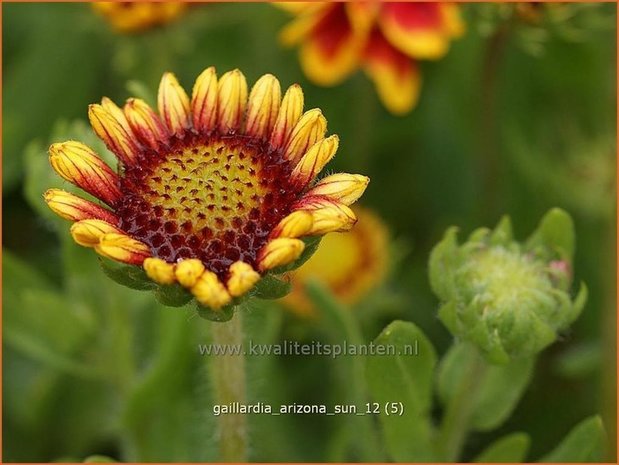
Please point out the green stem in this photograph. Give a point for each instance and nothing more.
(343, 323)
(490, 148)
(229, 386)
(457, 416)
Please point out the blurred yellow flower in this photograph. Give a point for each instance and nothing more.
(350, 264)
(384, 39)
(214, 191)
(138, 16)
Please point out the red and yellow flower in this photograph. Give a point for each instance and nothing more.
(214, 191)
(138, 16)
(349, 264)
(384, 39)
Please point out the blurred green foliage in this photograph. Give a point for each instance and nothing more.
(91, 368)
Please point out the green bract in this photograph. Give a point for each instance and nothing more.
(509, 299)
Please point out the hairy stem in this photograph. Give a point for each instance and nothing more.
(229, 386)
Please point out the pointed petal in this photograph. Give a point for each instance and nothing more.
(145, 124)
(209, 291)
(123, 248)
(188, 271)
(289, 114)
(231, 101)
(327, 215)
(263, 106)
(204, 101)
(278, 252)
(173, 105)
(159, 270)
(310, 129)
(395, 76)
(315, 160)
(332, 50)
(242, 278)
(74, 208)
(116, 112)
(297, 224)
(113, 133)
(343, 187)
(420, 30)
(78, 164)
(89, 232)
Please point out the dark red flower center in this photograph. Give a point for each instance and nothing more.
(215, 199)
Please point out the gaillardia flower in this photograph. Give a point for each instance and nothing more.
(138, 16)
(213, 192)
(508, 299)
(384, 39)
(349, 264)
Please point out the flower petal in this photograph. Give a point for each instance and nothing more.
(209, 291)
(327, 215)
(231, 100)
(419, 29)
(123, 248)
(303, 23)
(396, 77)
(159, 270)
(145, 124)
(78, 164)
(204, 101)
(89, 232)
(74, 208)
(343, 187)
(114, 133)
(278, 252)
(315, 160)
(242, 278)
(297, 224)
(332, 50)
(116, 112)
(289, 114)
(263, 106)
(173, 105)
(310, 129)
(188, 271)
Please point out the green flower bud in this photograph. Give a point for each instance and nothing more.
(509, 299)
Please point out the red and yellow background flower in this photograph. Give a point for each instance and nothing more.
(386, 40)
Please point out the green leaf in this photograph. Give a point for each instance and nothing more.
(406, 379)
(222, 315)
(133, 277)
(443, 263)
(39, 322)
(503, 233)
(586, 442)
(497, 390)
(512, 448)
(555, 231)
(270, 287)
(173, 295)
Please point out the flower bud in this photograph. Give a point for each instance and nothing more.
(509, 299)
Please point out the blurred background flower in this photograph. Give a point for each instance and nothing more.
(132, 17)
(386, 40)
(350, 264)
